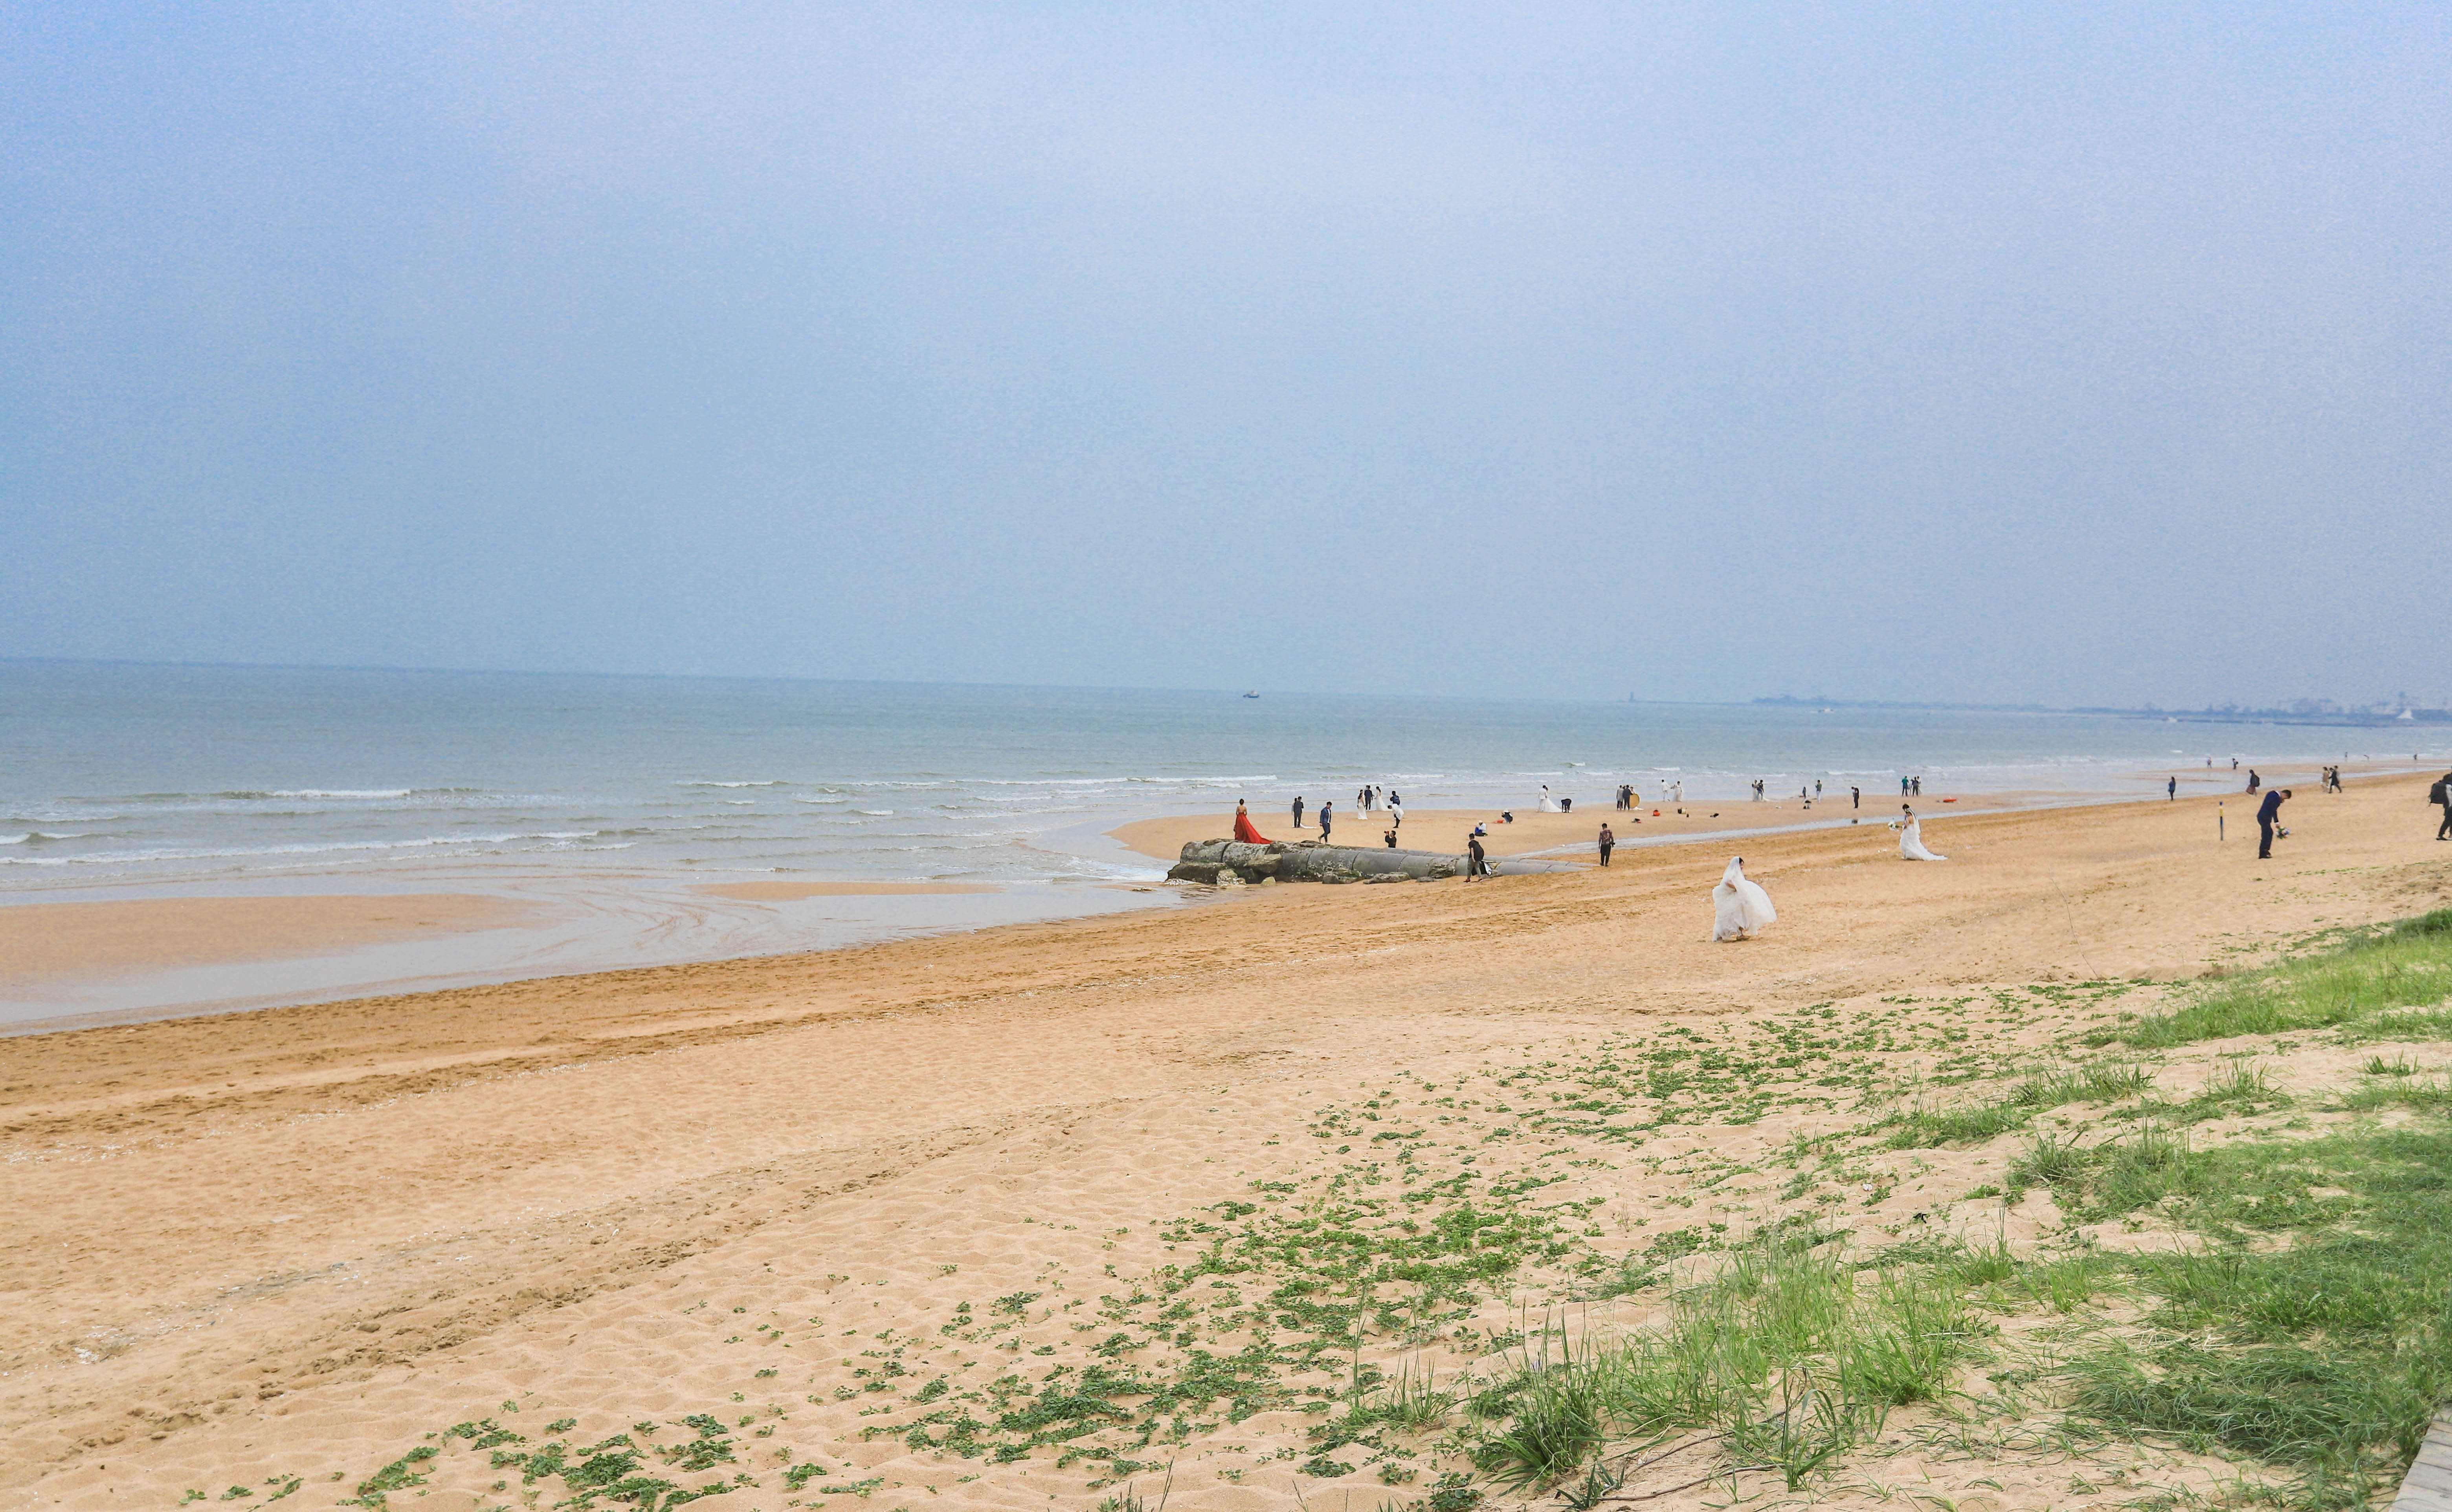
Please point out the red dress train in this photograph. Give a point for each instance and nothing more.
(1244, 831)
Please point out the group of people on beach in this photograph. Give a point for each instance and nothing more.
(1368, 797)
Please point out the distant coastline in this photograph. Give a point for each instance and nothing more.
(2306, 712)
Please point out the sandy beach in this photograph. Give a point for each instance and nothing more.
(776, 1198)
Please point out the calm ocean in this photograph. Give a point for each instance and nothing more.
(606, 795)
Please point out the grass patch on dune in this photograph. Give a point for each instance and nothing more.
(2370, 986)
(2328, 1355)
(2108, 1081)
(1793, 1353)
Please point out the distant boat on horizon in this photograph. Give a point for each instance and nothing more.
(1252, 694)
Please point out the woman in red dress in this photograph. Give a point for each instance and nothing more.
(1243, 830)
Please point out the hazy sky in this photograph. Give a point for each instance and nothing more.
(2065, 353)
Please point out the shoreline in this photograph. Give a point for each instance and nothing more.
(1657, 823)
(337, 963)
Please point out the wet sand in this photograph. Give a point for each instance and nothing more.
(45, 942)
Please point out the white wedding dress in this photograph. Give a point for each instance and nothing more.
(1739, 906)
(1549, 804)
(1911, 844)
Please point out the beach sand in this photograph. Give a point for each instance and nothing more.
(308, 1241)
(45, 942)
(794, 891)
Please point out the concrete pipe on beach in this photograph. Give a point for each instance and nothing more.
(1212, 861)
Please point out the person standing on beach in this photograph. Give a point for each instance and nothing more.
(1323, 819)
(1297, 811)
(2171, 790)
(1244, 830)
(2265, 814)
(1609, 843)
(1477, 862)
(1855, 798)
(2442, 795)
(2254, 781)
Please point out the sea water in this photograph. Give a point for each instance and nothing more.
(616, 799)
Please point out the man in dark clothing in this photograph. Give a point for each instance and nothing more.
(2254, 781)
(2443, 796)
(1609, 843)
(2265, 817)
(2171, 790)
(1297, 811)
(1323, 819)
(1476, 864)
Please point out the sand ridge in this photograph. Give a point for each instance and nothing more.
(292, 1242)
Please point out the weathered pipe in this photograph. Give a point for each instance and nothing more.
(1230, 861)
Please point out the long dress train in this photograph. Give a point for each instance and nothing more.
(1739, 906)
(1911, 843)
(1244, 831)
(1549, 804)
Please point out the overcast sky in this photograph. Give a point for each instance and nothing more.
(2060, 353)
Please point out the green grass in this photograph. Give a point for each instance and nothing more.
(2100, 1082)
(2407, 966)
(1792, 1351)
(2327, 1356)
(2430, 1093)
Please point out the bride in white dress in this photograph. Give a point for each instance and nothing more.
(1912, 839)
(1739, 906)
(1549, 804)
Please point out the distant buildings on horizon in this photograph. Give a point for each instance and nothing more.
(2301, 710)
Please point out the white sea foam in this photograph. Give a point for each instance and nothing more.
(340, 792)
